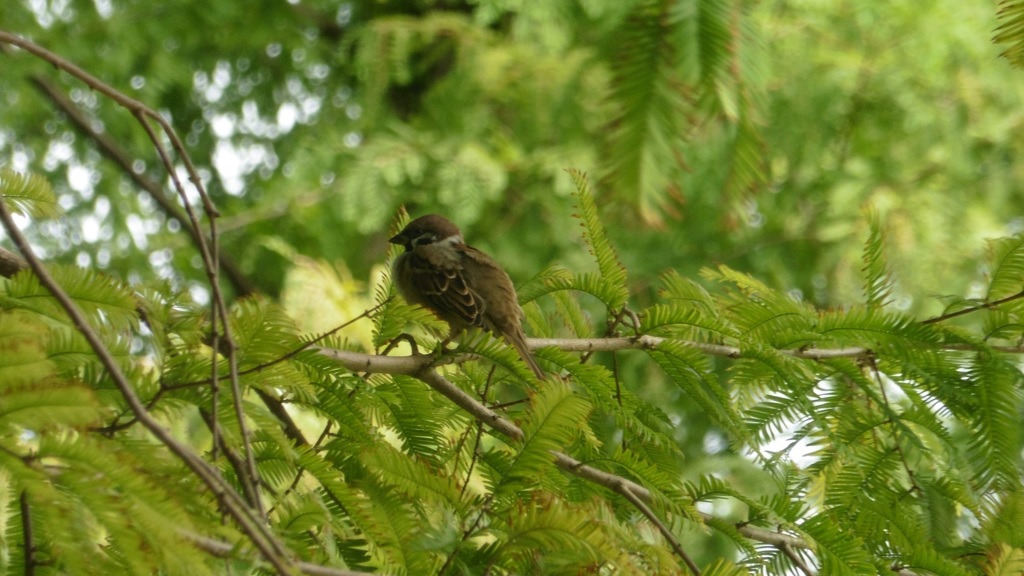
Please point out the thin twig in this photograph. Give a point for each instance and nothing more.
(255, 528)
(242, 284)
(479, 433)
(665, 532)
(144, 114)
(220, 309)
(982, 306)
(287, 356)
(647, 342)
(484, 507)
(236, 462)
(300, 471)
(894, 431)
(228, 550)
(796, 559)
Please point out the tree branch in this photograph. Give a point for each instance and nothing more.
(982, 306)
(11, 263)
(223, 549)
(242, 284)
(665, 532)
(254, 527)
(796, 559)
(646, 342)
(420, 366)
(207, 249)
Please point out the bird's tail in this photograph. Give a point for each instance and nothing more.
(519, 341)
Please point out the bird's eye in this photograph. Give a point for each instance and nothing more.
(424, 239)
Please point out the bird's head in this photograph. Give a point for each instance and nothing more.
(425, 230)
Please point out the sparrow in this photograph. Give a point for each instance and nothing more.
(458, 283)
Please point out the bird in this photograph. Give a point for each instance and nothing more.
(458, 283)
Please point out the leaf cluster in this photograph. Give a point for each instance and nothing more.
(885, 443)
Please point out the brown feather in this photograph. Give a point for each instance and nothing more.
(462, 285)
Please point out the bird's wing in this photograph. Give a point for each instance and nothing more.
(494, 285)
(445, 290)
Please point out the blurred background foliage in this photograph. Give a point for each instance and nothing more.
(749, 134)
(752, 134)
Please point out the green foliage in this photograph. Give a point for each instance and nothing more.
(747, 139)
(884, 440)
(646, 126)
(28, 195)
(1011, 31)
(613, 275)
(878, 286)
(32, 392)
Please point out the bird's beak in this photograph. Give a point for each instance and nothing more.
(397, 239)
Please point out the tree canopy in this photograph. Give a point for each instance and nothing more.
(772, 254)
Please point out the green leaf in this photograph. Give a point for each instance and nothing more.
(878, 286)
(875, 329)
(28, 194)
(1011, 31)
(690, 370)
(995, 422)
(682, 321)
(47, 403)
(414, 478)
(23, 358)
(410, 411)
(108, 304)
(1006, 561)
(558, 414)
(612, 273)
(1006, 263)
(563, 535)
(646, 129)
(723, 567)
(841, 553)
(31, 395)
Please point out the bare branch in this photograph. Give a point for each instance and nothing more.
(207, 250)
(665, 532)
(420, 366)
(242, 285)
(651, 342)
(359, 362)
(11, 263)
(796, 559)
(223, 549)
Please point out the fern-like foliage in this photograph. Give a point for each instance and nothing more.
(556, 415)
(669, 61)
(878, 285)
(869, 441)
(608, 284)
(1007, 265)
(1011, 31)
(611, 270)
(102, 299)
(645, 132)
(28, 194)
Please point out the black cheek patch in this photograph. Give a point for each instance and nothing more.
(423, 240)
